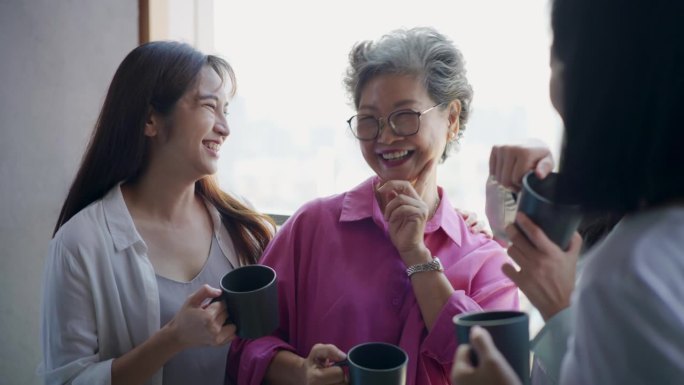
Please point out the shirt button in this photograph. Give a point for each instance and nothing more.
(396, 302)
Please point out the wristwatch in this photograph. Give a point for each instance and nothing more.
(434, 265)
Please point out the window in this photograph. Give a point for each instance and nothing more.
(289, 141)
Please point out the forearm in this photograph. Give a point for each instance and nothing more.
(286, 368)
(140, 364)
(432, 290)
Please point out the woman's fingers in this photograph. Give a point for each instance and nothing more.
(395, 193)
(405, 202)
(226, 334)
(321, 353)
(392, 188)
(198, 298)
(462, 364)
(525, 259)
(493, 160)
(512, 273)
(509, 163)
(481, 342)
(534, 234)
(544, 167)
(507, 175)
(519, 240)
(321, 369)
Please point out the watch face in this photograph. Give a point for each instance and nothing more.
(438, 263)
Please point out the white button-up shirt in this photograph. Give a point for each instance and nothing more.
(100, 296)
(628, 321)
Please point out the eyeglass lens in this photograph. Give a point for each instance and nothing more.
(403, 123)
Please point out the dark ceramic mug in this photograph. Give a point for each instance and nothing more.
(376, 363)
(251, 297)
(510, 332)
(559, 221)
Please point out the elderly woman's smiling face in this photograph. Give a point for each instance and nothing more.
(395, 157)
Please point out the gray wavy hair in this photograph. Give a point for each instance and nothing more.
(422, 52)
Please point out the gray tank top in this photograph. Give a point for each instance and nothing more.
(201, 365)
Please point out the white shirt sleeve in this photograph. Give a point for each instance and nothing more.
(549, 347)
(68, 330)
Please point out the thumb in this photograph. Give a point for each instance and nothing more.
(544, 166)
(329, 351)
(197, 298)
(462, 366)
(511, 272)
(481, 341)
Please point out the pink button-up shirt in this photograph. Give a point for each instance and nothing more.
(341, 281)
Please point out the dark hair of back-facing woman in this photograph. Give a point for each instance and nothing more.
(155, 76)
(623, 98)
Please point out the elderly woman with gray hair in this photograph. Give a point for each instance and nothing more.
(390, 260)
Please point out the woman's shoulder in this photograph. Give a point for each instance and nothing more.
(644, 248)
(87, 232)
(319, 208)
(83, 223)
(652, 232)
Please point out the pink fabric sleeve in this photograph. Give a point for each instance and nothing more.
(248, 360)
(491, 290)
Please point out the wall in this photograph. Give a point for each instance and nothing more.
(57, 60)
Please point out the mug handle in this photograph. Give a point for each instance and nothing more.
(220, 297)
(343, 363)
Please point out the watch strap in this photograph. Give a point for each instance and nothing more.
(434, 265)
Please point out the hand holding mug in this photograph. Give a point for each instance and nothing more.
(376, 363)
(319, 367)
(250, 294)
(492, 368)
(198, 323)
(539, 201)
(547, 273)
(508, 164)
(507, 167)
(508, 332)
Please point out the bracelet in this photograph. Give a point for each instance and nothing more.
(434, 265)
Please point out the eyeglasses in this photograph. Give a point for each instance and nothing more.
(402, 123)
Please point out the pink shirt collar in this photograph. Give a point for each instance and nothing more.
(360, 203)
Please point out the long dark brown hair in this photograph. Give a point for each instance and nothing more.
(154, 76)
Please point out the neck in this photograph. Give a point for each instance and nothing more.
(429, 193)
(432, 201)
(161, 196)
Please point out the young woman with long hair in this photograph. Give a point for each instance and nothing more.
(145, 230)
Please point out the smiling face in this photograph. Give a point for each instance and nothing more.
(395, 157)
(188, 140)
